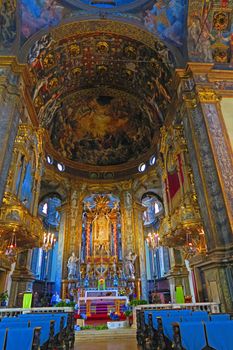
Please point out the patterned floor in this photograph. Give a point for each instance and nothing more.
(117, 344)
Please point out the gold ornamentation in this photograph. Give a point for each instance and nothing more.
(102, 47)
(207, 96)
(15, 217)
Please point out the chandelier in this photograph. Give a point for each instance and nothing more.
(49, 241)
(152, 240)
(11, 248)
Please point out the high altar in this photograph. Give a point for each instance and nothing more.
(105, 269)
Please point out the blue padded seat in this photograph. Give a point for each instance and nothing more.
(3, 333)
(45, 316)
(45, 330)
(220, 317)
(168, 327)
(14, 325)
(157, 313)
(219, 334)
(192, 335)
(199, 312)
(22, 337)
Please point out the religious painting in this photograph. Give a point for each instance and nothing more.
(210, 31)
(102, 130)
(166, 19)
(153, 208)
(7, 22)
(39, 14)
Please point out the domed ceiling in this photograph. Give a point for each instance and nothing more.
(101, 96)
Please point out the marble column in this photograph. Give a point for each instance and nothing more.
(22, 277)
(178, 274)
(208, 153)
(10, 110)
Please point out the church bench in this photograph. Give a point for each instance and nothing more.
(219, 334)
(214, 335)
(64, 327)
(20, 338)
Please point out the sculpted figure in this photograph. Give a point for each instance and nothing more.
(129, 264)
(72, 266)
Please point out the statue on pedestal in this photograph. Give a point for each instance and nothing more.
(72, 266)
(129, 264)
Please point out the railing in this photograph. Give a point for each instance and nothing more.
(209, 307)
(18, 311)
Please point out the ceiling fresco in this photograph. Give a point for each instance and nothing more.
(102, 130)
(62, 67)
(101, 96)
(166, 19)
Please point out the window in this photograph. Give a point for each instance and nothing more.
(152, 160)
(60, 166)
(49, 159)
(142, 167)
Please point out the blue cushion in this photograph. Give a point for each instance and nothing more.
(2, 338)
(45, 330)
(168, 327)
(192, 335)
(220, 317)
(14, 325)
(219, 334)
(20, 336)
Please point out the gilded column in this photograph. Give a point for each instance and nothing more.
(61, 244)
(141, 276)
(10, 110)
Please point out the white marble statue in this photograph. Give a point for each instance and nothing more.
(129, 264)
(72, 266)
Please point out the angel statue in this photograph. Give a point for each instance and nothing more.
(129, 264)
(72, 266)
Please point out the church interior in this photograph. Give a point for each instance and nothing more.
(116, 174)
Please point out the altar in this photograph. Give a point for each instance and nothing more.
(102, 305)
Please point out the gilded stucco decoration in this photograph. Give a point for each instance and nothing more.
(18, 213)
(181, 225)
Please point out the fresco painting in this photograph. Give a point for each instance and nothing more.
(153, 207)
(166, 19)
(101, 131)
(210, 31)
(7, 22)
(39, 14)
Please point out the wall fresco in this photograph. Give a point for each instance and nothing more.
(166, 19)
(7, 22)
(39, 14)
(210, 31)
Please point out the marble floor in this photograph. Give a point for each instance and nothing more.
(116, 344)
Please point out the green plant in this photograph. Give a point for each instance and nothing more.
(63, 303)
(83, 328)
(4, 296)
(128, 313)
(136, 302)
(101, 327)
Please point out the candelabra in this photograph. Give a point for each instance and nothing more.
(11, 248)
(49, 241)
(152, 240)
